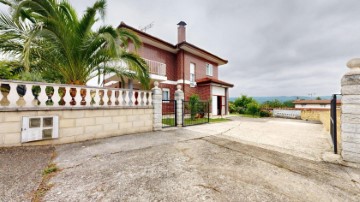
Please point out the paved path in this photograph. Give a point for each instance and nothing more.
(295, 137)
(185, 166)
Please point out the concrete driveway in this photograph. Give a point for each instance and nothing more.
(296, 137)
(186, 165)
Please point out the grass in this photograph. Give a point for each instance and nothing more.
(188, 121)
(44, 186)
(247, 115)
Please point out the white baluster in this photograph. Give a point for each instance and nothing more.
(150, 99)
(56, 97)
(97, 98)
(88, 97)
(1, 96)
(42, 97)
(13, 95)
(67, 97)
(132, 98)
(144, 100)
(78, 97)
(29, 97)
(126, 98)
(112, 98)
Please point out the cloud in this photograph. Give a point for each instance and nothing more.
(277, 47)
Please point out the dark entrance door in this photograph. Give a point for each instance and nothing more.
(219, 105)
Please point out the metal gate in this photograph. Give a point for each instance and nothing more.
(169, 113)
(195, 113)
(333, 122)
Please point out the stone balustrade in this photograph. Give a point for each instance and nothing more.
(17, 95)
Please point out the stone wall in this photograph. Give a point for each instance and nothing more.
(79, 125)
(323, 115)
(350, 89)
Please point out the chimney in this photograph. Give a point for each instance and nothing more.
(181, 32)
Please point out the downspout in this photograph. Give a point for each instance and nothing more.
(183, 64)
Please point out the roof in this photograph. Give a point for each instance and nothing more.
(315, 101)
(157, 42)
(212, 80)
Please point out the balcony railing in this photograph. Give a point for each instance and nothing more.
(32, 95)
(155, 67)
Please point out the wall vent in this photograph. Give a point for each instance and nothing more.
(39, 128)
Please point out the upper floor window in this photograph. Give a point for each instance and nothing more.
(192, 72)
(209, 69)
(166, 94)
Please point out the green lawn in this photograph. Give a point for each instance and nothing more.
(188, 121)
(247, 115)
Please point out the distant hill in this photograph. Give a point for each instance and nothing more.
(284, 98)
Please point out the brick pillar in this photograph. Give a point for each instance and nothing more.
(179, 97)
(157, 104)
(350, 117)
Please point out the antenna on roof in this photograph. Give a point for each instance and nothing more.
(145, 28)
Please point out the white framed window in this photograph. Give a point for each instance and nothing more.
(166, 94)
(39, 128)
(192, 72)
(209, 69)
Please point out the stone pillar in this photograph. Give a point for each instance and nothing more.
(350, 117)
(179, 97)
(157, 104)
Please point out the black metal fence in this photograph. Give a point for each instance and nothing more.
(195, 113)
(169, 113)
(333, 122)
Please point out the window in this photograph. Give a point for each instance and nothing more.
(209, 69)
(166, 94)
(39, 128)
(192, 72)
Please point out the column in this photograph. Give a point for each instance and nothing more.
(179, 97)
(350, 117)
(157, 104)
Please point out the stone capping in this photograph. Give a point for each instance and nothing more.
(73, 108)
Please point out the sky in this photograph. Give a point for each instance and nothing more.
(274, 48)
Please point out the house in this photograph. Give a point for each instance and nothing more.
(194, 68)
(314, 104)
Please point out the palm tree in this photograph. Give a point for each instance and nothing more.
(48, 36)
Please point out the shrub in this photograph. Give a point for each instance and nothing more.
(252, 108)
(194, 102)
(264, 113)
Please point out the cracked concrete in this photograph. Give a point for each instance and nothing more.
(183, 165)
(190, 165)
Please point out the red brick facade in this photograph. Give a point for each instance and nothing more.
(178, 59)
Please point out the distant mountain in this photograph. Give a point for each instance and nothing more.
(284, 98)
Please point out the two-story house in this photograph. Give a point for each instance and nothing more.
(194, 68)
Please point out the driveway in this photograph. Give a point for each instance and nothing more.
(185, 165)
(296, 137)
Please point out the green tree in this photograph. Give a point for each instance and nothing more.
(242, 102)
(289, 104)
(318, 98)
(48, 36)
(194, 105)
(253, 108)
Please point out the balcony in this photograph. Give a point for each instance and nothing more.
(155, 67)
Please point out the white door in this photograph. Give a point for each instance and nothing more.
(214, 105)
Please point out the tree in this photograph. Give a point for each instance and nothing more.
(48, 37)
(318, 98)
(252, 108)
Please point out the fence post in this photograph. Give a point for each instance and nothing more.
(350, 117)
(179, 97)
(157, 104)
